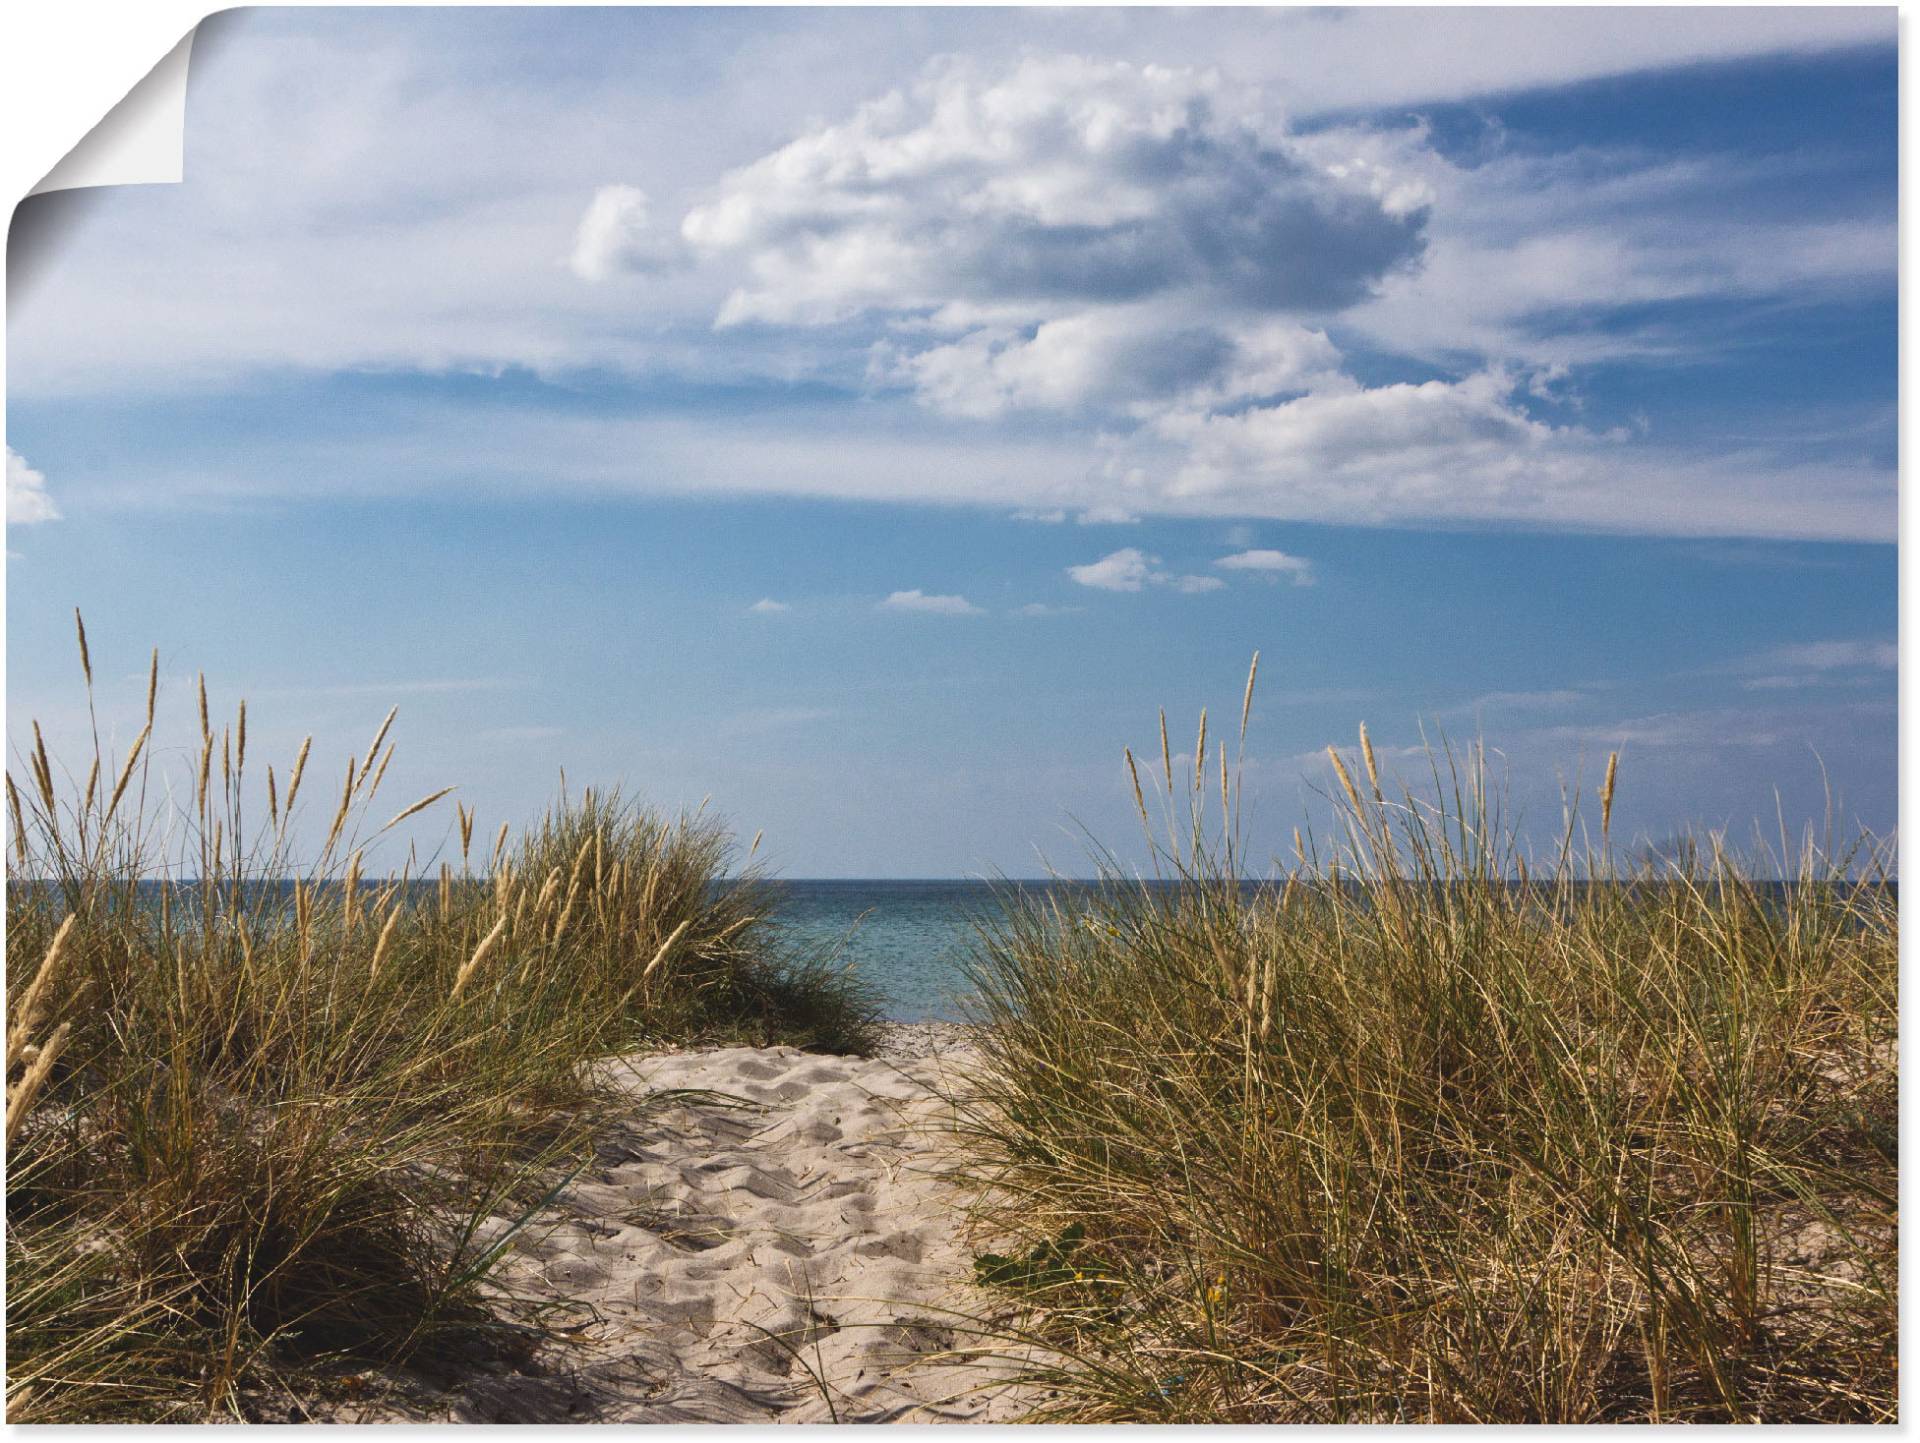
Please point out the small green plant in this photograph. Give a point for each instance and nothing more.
(1051, 1263)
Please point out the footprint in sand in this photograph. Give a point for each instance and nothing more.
(725, 1247)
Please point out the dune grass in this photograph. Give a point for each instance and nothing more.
(1423, 1133)
(267, 1114)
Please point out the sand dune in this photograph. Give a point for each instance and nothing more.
(773, 1244)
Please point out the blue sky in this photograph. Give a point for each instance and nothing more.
(872, 421)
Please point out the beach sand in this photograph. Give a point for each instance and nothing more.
(773, 1244)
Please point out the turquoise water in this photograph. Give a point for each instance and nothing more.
(909, 938)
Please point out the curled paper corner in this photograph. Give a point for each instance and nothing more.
(141, 141)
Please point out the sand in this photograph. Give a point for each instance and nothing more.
(777, 1243)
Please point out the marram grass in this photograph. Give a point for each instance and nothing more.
(1405, 1137)
(257, 1111)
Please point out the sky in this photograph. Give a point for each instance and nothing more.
(869, 420)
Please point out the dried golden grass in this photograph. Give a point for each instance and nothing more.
(1400, 1136)
(246, 1126)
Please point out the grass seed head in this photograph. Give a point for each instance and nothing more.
(86, 660)
(1246, 702)
(1366, 754)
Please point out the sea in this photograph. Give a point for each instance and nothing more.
(909, 939)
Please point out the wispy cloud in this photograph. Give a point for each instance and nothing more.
(1041, 608)
(1526, 700)
(1837, 655)
(431, 686)
(1819, 663)
(767, 606)
(919, 601)
(771, 719)
(519, 734)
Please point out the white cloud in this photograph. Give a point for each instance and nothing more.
(1133, 358)
(1271, 563)
(358, 200)
(864, 454)
(27, 500)
(754, 723)
(1127, 569)
(1059, 183)
(1386, 450)
(1147, 246)
(1520, 242)
(1527, 700)
(1064, 235)
(429, 686)
(1131, 569)
(1136, 256)
(1820, 663)
(1041, 608)
(614, 236)
(1837, 655)
(767, 606)
(918, 600)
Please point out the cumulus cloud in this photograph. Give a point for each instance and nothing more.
(1135, 359)
(1146, 248)
(1064, 235)
(27, 500)
(1127, 569)
(1141, 263)
(1131, 569)
(615, 235)
(1273, 564)
(1063, 181)
(767, 606)
(1410, 450)
(918, 600)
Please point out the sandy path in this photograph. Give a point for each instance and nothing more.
(783, 1256)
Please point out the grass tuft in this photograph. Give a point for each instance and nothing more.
(1401, 1136)
(264, 1115)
